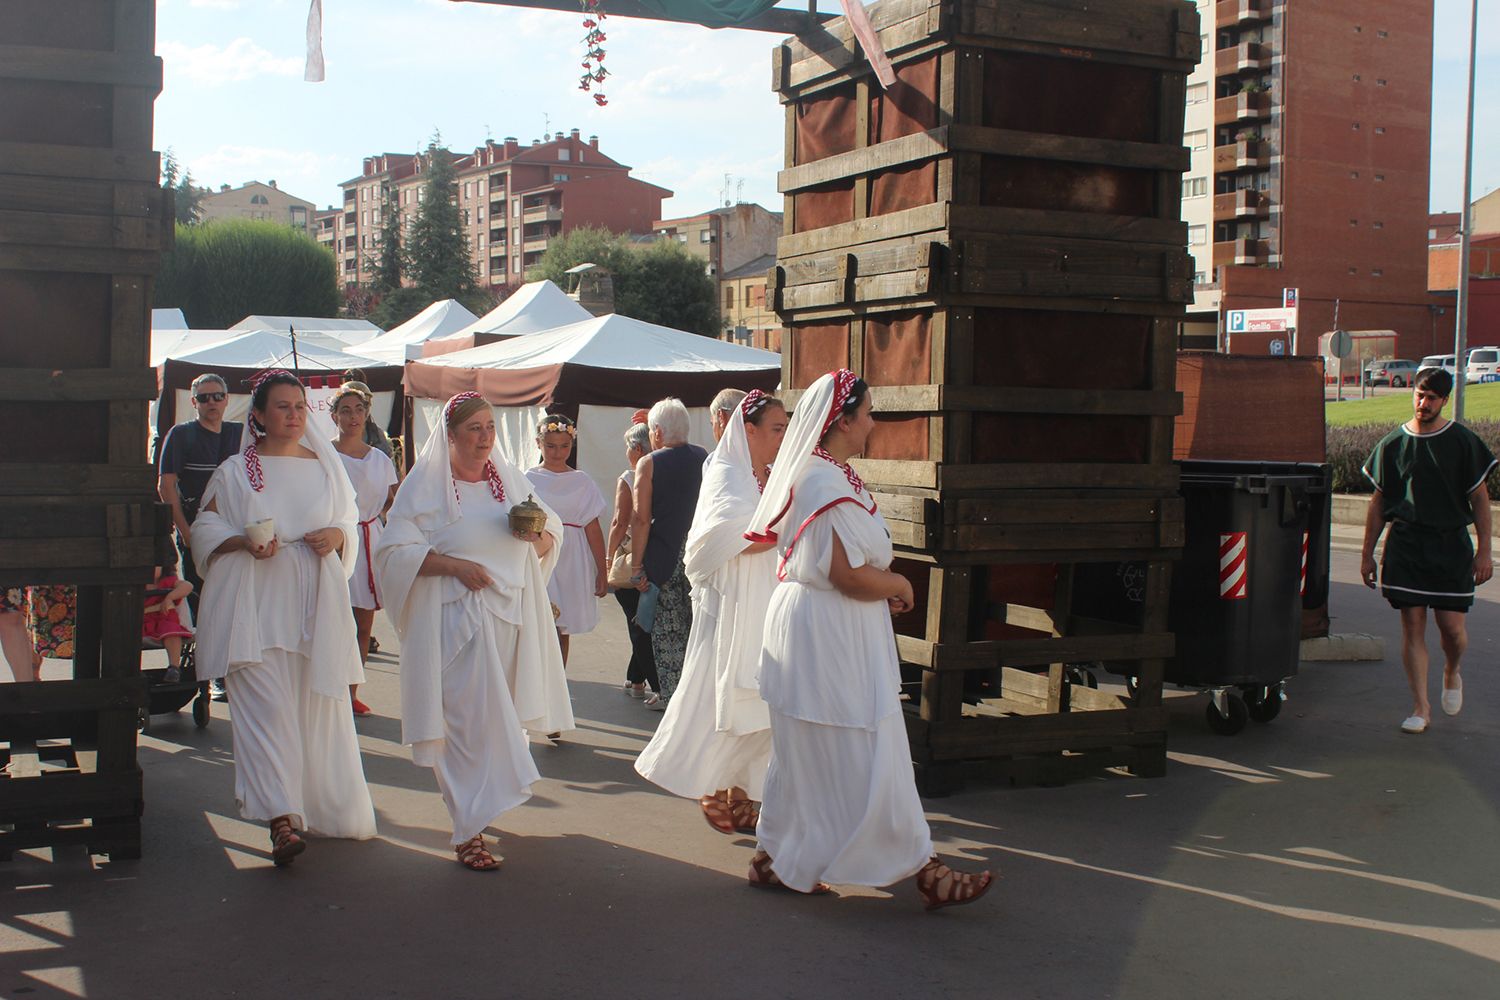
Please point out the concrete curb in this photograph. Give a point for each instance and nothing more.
(1345, 648)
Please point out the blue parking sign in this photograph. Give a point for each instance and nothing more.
(1278, 347)
(1236, 321)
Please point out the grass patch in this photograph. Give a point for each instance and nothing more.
(1481, 402)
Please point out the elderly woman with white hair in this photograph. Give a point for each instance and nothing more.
(666, 494)
(641, 671)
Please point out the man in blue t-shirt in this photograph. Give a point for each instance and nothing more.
(189, 455)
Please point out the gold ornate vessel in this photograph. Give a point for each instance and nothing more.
(528, 516)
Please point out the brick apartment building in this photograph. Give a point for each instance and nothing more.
(1483, 273)
(727, 238)
(257, 200)
(745, 309)
(512, 200)
(1309, 125)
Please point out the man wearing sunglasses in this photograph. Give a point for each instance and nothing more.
(189, 456)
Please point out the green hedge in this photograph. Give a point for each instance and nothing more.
(220, 272)
(1348, 447)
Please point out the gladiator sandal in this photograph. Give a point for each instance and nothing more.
(761, 876)
(941, 886)
(718, 811)
(285, 843)
(473, 855)
(746, 814)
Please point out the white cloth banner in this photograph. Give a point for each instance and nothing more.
(313, 71)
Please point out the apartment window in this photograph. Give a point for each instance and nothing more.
(1354, 126)
(1194, 187)
(1358, 29)
(1200, 278)
(557, 178)
(729, 298)
(364, 218)
(421, 194)
(1379, 177)
(515, 265)
(706, 236)
(1382, 34)
(481, 185)
(1380, 83)
(1197, 235)
(1353, 222)
(1380, 130)
(480, 215)
(1197, 139)
(564, 154)
(515, 207)
(364, 194)
(1432, 234)
(1381, 225)
(1197, 93)
(481, 267)
(1376, 272)
(1353, 270)
(1356, 77)
(466, 217)
(1354, 175)
(375, 216)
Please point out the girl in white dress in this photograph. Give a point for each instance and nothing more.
(841, 801)
(480, 663)
(582, 572)
(373, 477)
(274, 623)
(714, 743)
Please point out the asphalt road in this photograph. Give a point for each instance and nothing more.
(1324, 854)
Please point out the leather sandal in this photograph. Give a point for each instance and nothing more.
(285, 843)
(718, 811)
(761, 876)
(745, 814)
(941, 886)
(473, 855)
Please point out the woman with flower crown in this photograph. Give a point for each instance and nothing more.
(480, 664)
(580, 578)
(275, 545)
(841, 801)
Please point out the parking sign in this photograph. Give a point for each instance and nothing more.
(1236, 323)
(1278, 348)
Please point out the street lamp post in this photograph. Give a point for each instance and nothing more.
(1461, 318)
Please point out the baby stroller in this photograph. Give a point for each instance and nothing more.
(163, 698)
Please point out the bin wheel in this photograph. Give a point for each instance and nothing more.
(200, 711)
(143, 720)
(1133, 687)
(1264, 704)
(1227, 725)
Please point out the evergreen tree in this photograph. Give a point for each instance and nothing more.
(187, 196)
(436, 254)
(387, 265)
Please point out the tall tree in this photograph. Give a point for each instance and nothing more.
(219, 274)
(436, 254)
(387, 264)
(187, 196)
(662, 283)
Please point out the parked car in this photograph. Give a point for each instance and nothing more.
(1483, 365)
(1397, 372)
(1447, 361)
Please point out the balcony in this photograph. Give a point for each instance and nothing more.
(351, 243)
(1246, 204)
(348, 194)
(1247, 154)
(1234, 12)
(1242, 58)
(497, 237)
(535, 245)
(1244, 252)
(1242, 107)
(542, 213)
(349, 218)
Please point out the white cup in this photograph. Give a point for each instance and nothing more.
(260, 533)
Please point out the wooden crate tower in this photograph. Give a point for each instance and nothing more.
(83, 222)
(995, 244)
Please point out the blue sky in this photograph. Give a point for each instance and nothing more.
(687, 105)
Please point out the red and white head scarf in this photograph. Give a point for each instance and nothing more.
(491, 473)
(253, 471)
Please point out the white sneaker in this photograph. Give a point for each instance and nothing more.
(1414, 724)
(1453, 698)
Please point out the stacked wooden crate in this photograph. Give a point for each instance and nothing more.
(82, 226)
(995, 244)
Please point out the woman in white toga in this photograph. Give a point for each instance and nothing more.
(274, 623)
(468, 596)
(841, 801)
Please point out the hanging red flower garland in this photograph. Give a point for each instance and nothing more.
(593, 45)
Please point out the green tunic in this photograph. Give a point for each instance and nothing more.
(1425, 481)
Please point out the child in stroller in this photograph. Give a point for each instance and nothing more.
(162, 624)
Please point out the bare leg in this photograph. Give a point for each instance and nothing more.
(562, 641)
(173, 645)
(364, 623)
(15, 643)
(1414, 658)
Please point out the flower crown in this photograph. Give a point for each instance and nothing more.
(557, 427)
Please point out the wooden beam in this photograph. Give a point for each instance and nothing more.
(779, 20)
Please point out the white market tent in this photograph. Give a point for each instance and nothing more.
(168, 319)
(331, 333)
(245, 354)
(404, 343)
(535, 307)
(168, 343)
(603, 369)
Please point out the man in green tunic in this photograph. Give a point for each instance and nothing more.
(1429, 478)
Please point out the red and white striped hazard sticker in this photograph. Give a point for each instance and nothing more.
(1303, 590)
(1234, 563)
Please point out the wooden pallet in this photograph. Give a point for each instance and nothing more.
(82, 226)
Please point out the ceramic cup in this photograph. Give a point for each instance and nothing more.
(261, 532)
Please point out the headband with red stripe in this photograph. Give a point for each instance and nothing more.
(843, 385)
(452, 403)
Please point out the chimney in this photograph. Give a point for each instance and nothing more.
(536, 142)
(594, 141)
(369, 165)
(223, 188)
(512, 146)
(574, 134)
(270, 184)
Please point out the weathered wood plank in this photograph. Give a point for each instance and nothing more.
(71, 479)
(909, 222)
(1064, 475)
(119, 69)
(76, 385)
(1036, 652)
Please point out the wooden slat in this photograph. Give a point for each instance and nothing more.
(1087, 508)
(51, 160)
(911, 221)
(76, 385)
(1142, 29)
(79, 196)
(77, 553)
(32, 62)
(68, 479)
(1069, 731)
(1027, 537)
(897, 473)
(46, 697)
(906, 150)
(52, 798)
(998, 399)
(87, 260)
(1036, 652)
(1070, 148)
(66, 230)
(1064, 475)
(989, 221)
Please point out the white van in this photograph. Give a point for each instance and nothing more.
(1484, 365)
(1447, 361)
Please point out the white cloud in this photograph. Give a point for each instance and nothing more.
(295, 171)
(215, 4)
(213, 65)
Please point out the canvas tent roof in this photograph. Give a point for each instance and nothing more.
(314, 328)
(534, 307)
(168, 319)
(175, 343)
(606, 360)
(396, 346)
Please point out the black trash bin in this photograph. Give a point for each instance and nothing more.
(1237, 594)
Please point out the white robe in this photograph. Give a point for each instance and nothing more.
(579, 503)
(841, 802)
(279, 631)
(478, 668)
(372, 478)
(716, 730)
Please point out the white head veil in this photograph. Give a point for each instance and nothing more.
(725, 502)
(816, 411)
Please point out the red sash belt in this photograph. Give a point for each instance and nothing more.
(364, 530)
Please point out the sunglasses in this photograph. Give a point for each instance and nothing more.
(211, 397)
